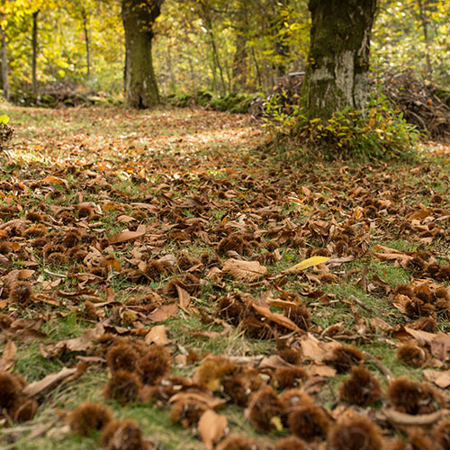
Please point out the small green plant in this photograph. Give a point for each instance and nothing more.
(6, 131)
(378, 132)
(280, 116)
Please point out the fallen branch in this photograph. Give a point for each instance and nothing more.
(361, 304)
(380, 366)
(399, 418)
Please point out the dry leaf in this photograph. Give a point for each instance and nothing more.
(184, 298)
(320, 370)
(209, 400)
(163, 313)
(315, 350)
(49, 381)
(78, 344)
(244, 270)
(310, 262)
(440, 379)
(55, 180)
(277, 318)
(8, 357)
(127, 236)
(211, 427)
(157, 335)
(440, 347)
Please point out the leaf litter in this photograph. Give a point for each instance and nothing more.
(181, 227)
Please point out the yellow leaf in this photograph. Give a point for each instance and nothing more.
(310, 262)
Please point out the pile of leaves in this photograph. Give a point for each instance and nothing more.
(175, 275)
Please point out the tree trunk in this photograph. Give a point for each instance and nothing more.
(338, 63)
(35, 51)
(423, 20)
(140, 82)
(87, 40)
(5, 77)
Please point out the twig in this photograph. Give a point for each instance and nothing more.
(380, 366)
(360, 303)
(399, 418)
(53, 274)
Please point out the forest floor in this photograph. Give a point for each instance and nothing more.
(154, 257)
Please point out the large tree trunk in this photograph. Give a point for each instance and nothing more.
(4, 68)
(338, 65)
(140, 82)
(35, 51)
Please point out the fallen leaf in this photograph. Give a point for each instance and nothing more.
(127, 236)
(440, 379)
(315, 350)
(320, 370)
(310, 262)
(157, 335)
(78, 344)
(163, 313)
(211, 427)
(205, 398)
(276, 317)
(440, 347)
(8, 357)
(244, 270)
(55, 180)
(49, 381)
(184, 298)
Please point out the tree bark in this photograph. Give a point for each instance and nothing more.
(87, 40)
(423, 20)
(35, 51)
(338, 63)
(5, 78)
(140, 82)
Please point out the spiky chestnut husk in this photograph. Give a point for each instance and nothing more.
(361, 388)
(355, 433)
(88, 417)
(412, 397)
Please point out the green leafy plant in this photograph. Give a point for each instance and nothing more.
(378, 132)
(6, 131)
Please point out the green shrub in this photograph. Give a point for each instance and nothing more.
(378, 132)
(6, 131)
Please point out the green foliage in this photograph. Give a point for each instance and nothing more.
(234, 103)
(377, 133)
(6, 131)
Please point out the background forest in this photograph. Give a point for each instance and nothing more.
(218, 46)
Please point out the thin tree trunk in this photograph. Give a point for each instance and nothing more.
(140, 82)
(85, 15)
(424, 22)
(338, 62)
(35, 51)
(5, 77)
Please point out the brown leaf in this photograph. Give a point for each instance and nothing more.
(244, 270)
(211, 427)
(277, 318)
(49, 381)
(422, 337)
(315, 350)
(320, 370)
(55, 180)
(440, 347)
(202, 397)
(163, 313)
(157, 335)
(440, 379)
(78, 344)
(9, 354)
(126, 236)
(184, 298)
